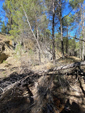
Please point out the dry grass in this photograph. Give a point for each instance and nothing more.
(43, 67)
(68, 59)
(75, 58)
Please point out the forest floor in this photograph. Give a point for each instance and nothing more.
(34, 88)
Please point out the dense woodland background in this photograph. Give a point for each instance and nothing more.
(51, 26)
(42, 53)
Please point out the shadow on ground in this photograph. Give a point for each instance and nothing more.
(20, 98)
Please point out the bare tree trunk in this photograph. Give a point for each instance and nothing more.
(83, 34)
(37, 37)
(80, 49)
(61, 28)
(67, 42)
(80, 40)
(83, 52)
(40, 51)
(53, 40)
(80, 43)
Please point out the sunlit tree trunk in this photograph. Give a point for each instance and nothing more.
(61, 27)
(36, 38)
(67, 42)
(80, 50)
(39, 49)
(83, 34)
(53, 39)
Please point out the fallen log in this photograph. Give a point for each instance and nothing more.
(8, 88)
(39, 91)
(72, 65)
(5, 90)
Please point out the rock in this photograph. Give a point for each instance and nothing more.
(3, 57)
(2, 47)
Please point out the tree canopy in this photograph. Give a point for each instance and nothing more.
(43, 19)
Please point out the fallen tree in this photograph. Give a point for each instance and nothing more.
(35, 88)
(65, 67)
(72, 65)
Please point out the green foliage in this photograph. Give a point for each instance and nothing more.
(18, 50)
(4, 61)
(0, 23)
(75, 3)
(30, 52)
(77, 45)
(57, 39)
(10, 37)
(48, 33)
(68, 20)
(14, 32)
(3, 28)
(17, 22)
(38, 12)
(72, 44)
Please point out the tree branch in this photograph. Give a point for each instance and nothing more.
(31, 29)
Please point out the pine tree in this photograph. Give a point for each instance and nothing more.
(3, 28)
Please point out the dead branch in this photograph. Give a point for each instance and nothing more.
(9, 87)
(32, 30)
(80, 39)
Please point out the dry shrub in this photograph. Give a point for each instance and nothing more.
(29, 44)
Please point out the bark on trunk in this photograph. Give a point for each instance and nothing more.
(53, 40)
(76, 64)
(67, 42)
(80, 49)
(60, 18)
(40, 50)
(83, 39)
(82, 19)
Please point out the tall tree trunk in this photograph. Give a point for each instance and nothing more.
(40, 50)
(83, 34)
(80, 42)
(10, 21)
(61, 28)
(80, 53)
(37, 37)
(67, 41)
(53, 39)
(83, 46)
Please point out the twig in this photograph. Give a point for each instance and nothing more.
(73, 88)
